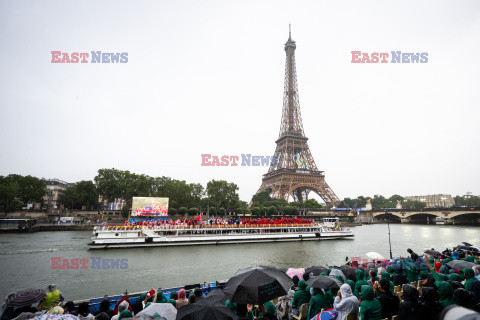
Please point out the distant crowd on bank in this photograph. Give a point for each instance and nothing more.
(403, 288)
(216, 221)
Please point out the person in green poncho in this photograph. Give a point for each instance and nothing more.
(301, 296)
(358, 287)
(370, 308)
(454, 277)
(445, 291)
(125, 314)
(360, 274)
(318, 302)
(469, 278)
(268, 311)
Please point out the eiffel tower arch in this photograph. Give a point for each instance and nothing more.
(295, 173)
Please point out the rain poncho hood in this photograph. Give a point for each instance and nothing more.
(454, 277)
(318, 302)
(302, 295)
(445, 291)
(366, 293)
(469, 277)
(358, 287)
(125, 314)
(370, 308)
(360, 274)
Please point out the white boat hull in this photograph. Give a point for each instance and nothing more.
(166, 241)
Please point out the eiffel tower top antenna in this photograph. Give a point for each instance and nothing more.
(289, 31)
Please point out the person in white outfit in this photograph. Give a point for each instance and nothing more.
(345, 302)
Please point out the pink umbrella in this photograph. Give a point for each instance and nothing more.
(296, 272)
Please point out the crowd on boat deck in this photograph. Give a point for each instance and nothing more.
(403, 288)
(217, 221)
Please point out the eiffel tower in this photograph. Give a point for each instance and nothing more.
(295, 173)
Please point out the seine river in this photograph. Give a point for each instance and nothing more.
(26, 259)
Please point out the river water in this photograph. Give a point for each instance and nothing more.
(26, 259)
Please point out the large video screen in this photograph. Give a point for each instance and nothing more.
(149, 206)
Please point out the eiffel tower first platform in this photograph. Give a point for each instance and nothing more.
(295, 173)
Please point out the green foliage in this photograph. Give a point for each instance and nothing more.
(172, 211)
(83, 193)
(213, 211)
(222, 193)
(272, 210)
(17, 191)
(416, 205)
(114, 183)
(222, 211)
(125, 211)
(182, 211)
(256, 211)
(467, 201)
(193, 211)
(261, 197)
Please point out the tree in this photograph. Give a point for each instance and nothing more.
(8, 194)
(467, 201)
(221, 211)
(83, 193)
(193, 211)
(222, 193)
(272, 210)
(261, 197)
(182, 211)
(256, 211)
(413, 205)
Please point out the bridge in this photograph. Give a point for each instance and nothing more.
(450, 216)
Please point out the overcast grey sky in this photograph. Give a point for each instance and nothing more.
(207, 77)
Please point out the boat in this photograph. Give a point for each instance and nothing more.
(106, 237)
(18, 225)
(439, 220)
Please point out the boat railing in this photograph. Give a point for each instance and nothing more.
(207, 226)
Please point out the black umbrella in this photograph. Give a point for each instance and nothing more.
(257, 286)
(460, 264)
(467, 244)
(203, 310)
(433, 253)
(216, 297)
(316, 271)
(334, 278)
(349, 272)
(323, 282)
(239, 271)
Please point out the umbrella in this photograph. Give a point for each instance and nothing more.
(349, 272)
(323, 282)
(460, 264)
(316, 270)
(337, 272)
(374, 255)
(296, 272)
(25, 298)
(166, 310)
(257, 286)
(239, 271)
(203, 310)
(433, 253)
(339, 283)
(467, 244)
(216, 296)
